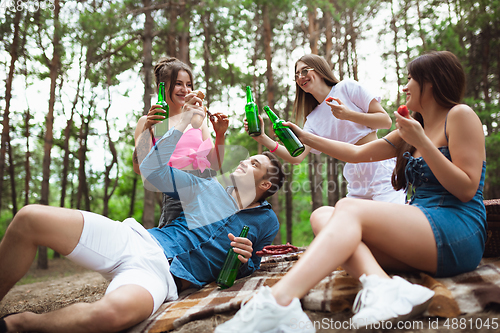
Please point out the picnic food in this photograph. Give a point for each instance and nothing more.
(252, 115)
(403, 111)
(197, 119)
(329, 99)
(285, 134)
(229, 270)
(270, 250)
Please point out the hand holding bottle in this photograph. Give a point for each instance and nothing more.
(299, 132)
(261, 121)
(154, 117)
(285, 134)
(240, 252)
(252, 114)
(242, 246)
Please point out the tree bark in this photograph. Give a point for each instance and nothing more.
(313, 30)
(206, 56)
(184, 37)
(268, 37)
(333, 181)
(148, 214)
(132, 197)
(396, 53)
(83, 192)
(54, 73)
(8, 96)
(315, 176)
(289, 203)
(12, 176)
(316, 180)
(67, 135)
(112, 149)
(27, 168)
(329, 37)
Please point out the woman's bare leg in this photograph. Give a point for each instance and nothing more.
(34, 225)
(400, 232)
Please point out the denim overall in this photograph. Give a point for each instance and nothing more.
(459, 227)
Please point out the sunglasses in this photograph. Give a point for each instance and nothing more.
(303, 73)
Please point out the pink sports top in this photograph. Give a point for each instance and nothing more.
(191, 149)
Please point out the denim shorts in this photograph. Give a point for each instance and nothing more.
(459, 229)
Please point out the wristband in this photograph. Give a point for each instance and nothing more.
(276, 148)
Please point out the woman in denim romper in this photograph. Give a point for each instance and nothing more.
(440, 152)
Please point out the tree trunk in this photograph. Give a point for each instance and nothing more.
(27, 168)
(54, 73)
(172, 24)
(316, 180)
(83, 191)
(289, 203)
(132, 197)
(420, 30)
(396, 54)
(333, 181)
(148, 214)
(67, 135)
(353, 37)
(268, 37)
(184, 37)
(315, 177)
(206, 55)
(339, 50)
(313, 30)
(8, 96)
(107, 179)
(329, 37)
(485, 62)
(112, 149)
(255, 57)
(12, 176)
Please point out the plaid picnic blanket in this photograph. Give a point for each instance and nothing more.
(466, 293)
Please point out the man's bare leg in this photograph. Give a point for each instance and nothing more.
(34, 225)
(118, 310)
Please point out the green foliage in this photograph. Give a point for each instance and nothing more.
(227, 54)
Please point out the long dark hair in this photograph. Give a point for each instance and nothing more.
(166, 70)
(447, 77)
(304, 102)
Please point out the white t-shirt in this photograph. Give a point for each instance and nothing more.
(323, 123)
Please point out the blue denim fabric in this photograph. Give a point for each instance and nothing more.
(459, 227)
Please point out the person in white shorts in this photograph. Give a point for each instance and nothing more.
(342, 111)
(136, 260)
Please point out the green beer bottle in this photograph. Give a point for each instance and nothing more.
(252, 115)
(162, 128)
(231, 266)
(285, 134)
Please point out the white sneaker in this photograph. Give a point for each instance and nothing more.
(263, 315)
(388, 299)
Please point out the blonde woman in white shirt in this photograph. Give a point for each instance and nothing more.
(342, 111)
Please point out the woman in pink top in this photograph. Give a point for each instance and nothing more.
(195, 153)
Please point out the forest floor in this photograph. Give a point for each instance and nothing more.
(65, 283)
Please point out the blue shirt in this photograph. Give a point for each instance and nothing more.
(197, 241)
